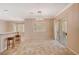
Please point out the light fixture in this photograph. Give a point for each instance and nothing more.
(5, 11)
(39, 11)
(39, 15)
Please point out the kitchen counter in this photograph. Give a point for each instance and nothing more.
(3, 41)
(6, 33)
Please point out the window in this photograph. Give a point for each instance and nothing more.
(39, 27)
(18, 27)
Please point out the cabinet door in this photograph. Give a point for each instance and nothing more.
(3, 45)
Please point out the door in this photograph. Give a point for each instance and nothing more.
(62, 32)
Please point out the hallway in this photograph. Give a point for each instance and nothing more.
(38, 47)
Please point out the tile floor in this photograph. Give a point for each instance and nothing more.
(38, 47)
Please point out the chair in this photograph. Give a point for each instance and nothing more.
(18, 37)
(9, 39)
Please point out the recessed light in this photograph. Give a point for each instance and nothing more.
(39, 11)
(5, 10)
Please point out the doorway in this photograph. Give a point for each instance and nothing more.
(61, 31)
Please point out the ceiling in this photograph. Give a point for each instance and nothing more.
(20, 11)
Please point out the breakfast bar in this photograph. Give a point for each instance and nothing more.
(3, 40)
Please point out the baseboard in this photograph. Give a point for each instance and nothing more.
(73, 51)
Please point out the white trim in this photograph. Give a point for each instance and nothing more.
(73, 51)
(65, 8)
